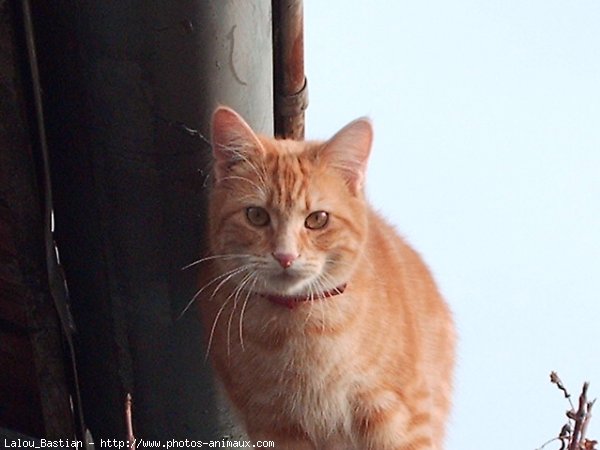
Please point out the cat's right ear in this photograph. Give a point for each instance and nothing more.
(348, 152)
(233, 140)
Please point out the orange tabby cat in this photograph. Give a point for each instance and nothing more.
(324, 326)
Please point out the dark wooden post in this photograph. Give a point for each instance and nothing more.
(125, 83)
(34, 386)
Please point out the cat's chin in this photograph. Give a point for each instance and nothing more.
(286, 284)
(292, 285)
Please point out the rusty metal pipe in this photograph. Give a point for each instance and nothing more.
(291, 94)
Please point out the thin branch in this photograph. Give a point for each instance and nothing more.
(550, 441)
(573, 434)
(586, 420)
(579, 418)
(129, 421)
(555, 379)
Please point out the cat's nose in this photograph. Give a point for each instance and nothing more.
(285, 260)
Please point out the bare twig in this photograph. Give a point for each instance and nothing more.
(129, 422)
(550, 441)
(572, 434)
(564, 436)
(555, 379)
(586, 420)
(579, 417)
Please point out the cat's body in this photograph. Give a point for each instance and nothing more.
(326, 330)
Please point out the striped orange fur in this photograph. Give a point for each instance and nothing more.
(369, 368)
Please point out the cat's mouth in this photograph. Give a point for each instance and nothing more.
(286, 282)
(293, 281)
(290, 275)
(293, 301)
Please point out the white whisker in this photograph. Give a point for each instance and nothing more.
(261, 174)
(237, 291)
(248, 180)
(227, 274)
(221, 309)
(335, 288)
(311, 304)
(322, 317)
(241, 154)
(209, 258)
(214, 325)
(229, 277)
(241, 328)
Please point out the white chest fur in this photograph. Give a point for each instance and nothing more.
(312, 387)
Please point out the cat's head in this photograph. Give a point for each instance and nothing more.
(287, 217)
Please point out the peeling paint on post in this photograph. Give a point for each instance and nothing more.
(130, 189)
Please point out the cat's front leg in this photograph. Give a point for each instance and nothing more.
(384, 421)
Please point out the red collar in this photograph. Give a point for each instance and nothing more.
(291, 301)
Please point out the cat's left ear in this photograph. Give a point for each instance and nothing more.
(233, 141)
(348, 152)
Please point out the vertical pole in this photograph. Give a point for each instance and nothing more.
(291, 93)
(123, 82)
(34, 388)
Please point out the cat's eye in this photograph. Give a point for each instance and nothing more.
(257, 216)
(316, 220)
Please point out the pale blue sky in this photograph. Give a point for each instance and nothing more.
(487, 158)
